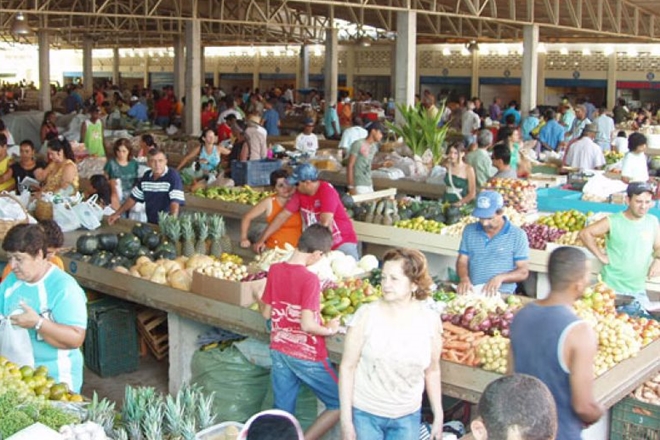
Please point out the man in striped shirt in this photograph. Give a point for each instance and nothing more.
(494, 253)
(161, 189)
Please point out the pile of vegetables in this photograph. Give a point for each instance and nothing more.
(649, 391)
(539, 235)
(481, 314)
(264, 260)
(18, 414)
(381, 212)
(344, 298)
(112, 250)
(336, 265)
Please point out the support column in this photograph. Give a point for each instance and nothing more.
(611, 80)
(392, 69)
(474, 81)
(350, 66)
(530, 65)
(192, 121)
(331, 70)
(256, 68)
(88, 78)
(44, 71)
(145, 72)
(202, 66)
(115, 66)
(303, 70)
(179, 66)
(406, 56)
(540, 81)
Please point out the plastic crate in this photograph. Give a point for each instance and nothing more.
(111, 343)
(633, 419)
(254, 172)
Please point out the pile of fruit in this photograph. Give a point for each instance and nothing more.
(573, 239)
(570, 221)
(420, 224)
(619, 336)
(539, 235)
(264, 260)
(517, 193)
(24, 396)
(196, 233)
(345, 297)
(612, 157)
(244, 195)
(225, 270)
(515, 217)
(409, 208)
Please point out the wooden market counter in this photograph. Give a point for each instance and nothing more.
(404, 186)
(458, 381)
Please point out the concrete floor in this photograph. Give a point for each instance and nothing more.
(151, 373)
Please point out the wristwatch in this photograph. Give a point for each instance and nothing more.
(39, 323)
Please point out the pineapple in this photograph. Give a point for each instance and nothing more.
(174, 416)
(205, 416)
(216, 230)
(152, 422)
(202, 235)
(188, 234)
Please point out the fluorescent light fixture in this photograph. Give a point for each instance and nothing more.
(586, 51)
(446, 52)
(541, 48)
(563, 51)
(632, 52)
(609, 50)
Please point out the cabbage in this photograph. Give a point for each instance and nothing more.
(368, 263)
(344, 267)
(323, 269)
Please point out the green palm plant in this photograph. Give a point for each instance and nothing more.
(420, 130)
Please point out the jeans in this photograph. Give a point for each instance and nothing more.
(371, 427)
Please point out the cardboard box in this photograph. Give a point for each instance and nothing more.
(231, 292)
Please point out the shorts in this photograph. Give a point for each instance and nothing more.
(373, 427)
(288, 372)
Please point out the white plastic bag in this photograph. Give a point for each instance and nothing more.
(65, 217)
(87, 215)
(15, 343)
(138, 212)
(95, 207)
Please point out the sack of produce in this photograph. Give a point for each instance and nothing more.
(240, 387)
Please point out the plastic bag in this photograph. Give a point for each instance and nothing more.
(14, 343)
(239, 386)
(138, 212)
(95, 207)
(65, 217)
(306, 405)
(87, 215)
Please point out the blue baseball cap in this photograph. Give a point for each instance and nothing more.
(488, 203)
(302, 173)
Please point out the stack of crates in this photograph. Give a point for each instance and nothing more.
(635, 420)
(254, 172)
(111, 343)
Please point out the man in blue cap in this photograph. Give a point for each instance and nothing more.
(494, 253)
(317, 202)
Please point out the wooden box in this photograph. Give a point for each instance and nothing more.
(231, 292)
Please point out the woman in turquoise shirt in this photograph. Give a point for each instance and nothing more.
(207, 153)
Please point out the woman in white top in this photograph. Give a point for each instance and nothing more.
(391, 353)
(634, 167)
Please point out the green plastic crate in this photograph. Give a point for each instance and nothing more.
(111, 343)
(635, 420)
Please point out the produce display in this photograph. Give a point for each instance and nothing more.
(519, 194)
(612, 157)
(649, 391)
(456, 230)
(421, 224)
(460, 345)
(196, 233)
(335, 266)
(381, 212)
(25, 393)
(345, 297)
(490, 315)
(573, 239)
(539, 235)
(570, 221)
(264, 260)
(245, 194)
(493, 353)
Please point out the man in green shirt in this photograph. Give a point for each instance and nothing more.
(360, 160)
(632, 244)
(479, 159)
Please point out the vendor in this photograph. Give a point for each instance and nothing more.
(61, 174)
(494, 253)
(25, 166)
(160, 189)
(121, 171)
(634, 167)
(317, 202)
(290, 231)
(632, 244)
(460, 180)
(207, 153)
(360, 160)
(50, 305)
(91, 133)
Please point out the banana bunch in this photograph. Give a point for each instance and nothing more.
(264, 260)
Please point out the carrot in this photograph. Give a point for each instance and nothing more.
(454, 328)
(469, 358)
(458, 345)
(452, 356)
(471, 336)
